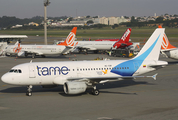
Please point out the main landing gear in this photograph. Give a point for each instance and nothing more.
(33, 55)
(29, 90)
(95, 91)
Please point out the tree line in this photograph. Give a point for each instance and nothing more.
(160, 20)
(8, 22)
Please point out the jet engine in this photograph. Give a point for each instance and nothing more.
(74, 87)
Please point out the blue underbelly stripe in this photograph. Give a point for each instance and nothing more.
(128, 68)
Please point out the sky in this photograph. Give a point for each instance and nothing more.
(108, 8)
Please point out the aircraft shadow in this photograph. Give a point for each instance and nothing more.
(121, 83)
(172, 62)
(35, 89)
(59, 89)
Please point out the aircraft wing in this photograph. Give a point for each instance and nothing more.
(36, 52)
(97, 80)
(87, 47)
(22, 53)
(100, 79)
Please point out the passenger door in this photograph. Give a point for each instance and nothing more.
(32, 71)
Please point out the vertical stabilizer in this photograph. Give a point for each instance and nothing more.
(70, 38)
(126, 36)
(151, 49)
(124, 40)
(166, 44)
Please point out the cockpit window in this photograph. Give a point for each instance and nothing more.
(19, 71)
(16, 71)
(11, 70)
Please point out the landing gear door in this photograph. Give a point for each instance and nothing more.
(32, 71)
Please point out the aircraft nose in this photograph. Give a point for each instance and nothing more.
(5, 78)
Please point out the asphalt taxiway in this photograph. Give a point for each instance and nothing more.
(140, 99)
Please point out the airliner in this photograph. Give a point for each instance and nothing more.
(25, 50)
(77, 76)
(6, 39)
(109, 39)
(167, 49)
(123, 42)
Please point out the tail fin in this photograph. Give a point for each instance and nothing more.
(151, 49)
(126, 36)
(70, 38)
(166, 44)
(124, 40)
(18, 48)
(16, 43)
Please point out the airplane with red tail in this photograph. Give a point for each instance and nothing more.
(105, 45)
(123, 42)
(111, 39)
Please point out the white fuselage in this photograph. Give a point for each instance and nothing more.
(37, 49)
(95, 45)
(100, 45)
(51, 73)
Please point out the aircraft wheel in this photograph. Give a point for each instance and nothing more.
(96, 92)
(29, 90)
(29, 93)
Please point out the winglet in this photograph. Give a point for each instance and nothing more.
(70, 38)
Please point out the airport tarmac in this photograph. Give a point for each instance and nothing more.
(140, 99)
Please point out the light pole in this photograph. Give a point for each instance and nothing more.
(46, 3)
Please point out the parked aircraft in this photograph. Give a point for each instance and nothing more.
(77, 76)
(110, 39)
(123, 42)
(167, 49)
(107, 40)
(6, 39)
(25, 50)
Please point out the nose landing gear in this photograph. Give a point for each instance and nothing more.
(29, 90)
